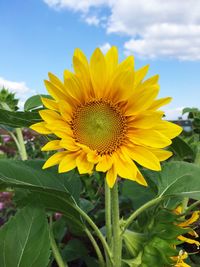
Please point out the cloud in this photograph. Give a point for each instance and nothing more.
(92, 20)
(105, 47)
(155, 28)
(20, 88)
(174, 113)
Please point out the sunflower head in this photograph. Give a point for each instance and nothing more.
(106, 117)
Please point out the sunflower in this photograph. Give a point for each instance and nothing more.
(105, 117)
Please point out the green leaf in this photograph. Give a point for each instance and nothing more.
(18, 119)
(182, 149)
(52, 190)
(71, 253)
(34, 102)
(24, 240)
(177, 179)
(138, 194)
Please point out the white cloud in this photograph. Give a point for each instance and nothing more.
(174, 113)
(105, 47)
(155, 28)
(20, 88)
(92, 20)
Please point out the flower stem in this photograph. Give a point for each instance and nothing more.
(97, 231)
(140, 210)
(96, 247)
(55, 249)
(22, 148)
(108, 219)
(108, 214)
(117, 241)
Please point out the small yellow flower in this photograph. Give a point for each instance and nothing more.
(180, 259)
(186, 224)
(106, 118)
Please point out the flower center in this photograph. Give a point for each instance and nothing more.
(100, 126)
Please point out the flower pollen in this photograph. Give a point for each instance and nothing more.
(100, 126)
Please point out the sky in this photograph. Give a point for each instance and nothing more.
(38, 36)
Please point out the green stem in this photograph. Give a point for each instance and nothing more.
(55, 249)
(108, 214)
(117, 240)
(185, 204)
(96, 247)
(97, 231)
(108, 219)
(140, 210)
(191, 207)
(20, 138)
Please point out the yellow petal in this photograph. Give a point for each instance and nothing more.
(144, 157)
(111, 176)
(63, 133)
(161, 154)
(49, 103)
(124, 168)
(52, 145)
(83, 165)
(122, 86)
(84, 75)
(40, 127)
(73, 86)
(92, 156)
(56, 81)
(141, 100)
(68, 163)
(192, 219)
(54, 160)
(111, 60)
(189, 240)
(168, 129)
(160, 102)
(146, 120)
(105, 163)
(80, 55)
(69, 144)
(140, 74)
(54, 91)
(50, 115)
(66, 110)
(140, 179)
(151, 81)
(151, 138)
(98, 72)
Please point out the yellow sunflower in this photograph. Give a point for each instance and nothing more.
(106, 118)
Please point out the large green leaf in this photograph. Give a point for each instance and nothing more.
(137, 193)
(177, 179)
(34, 102)
(24, 240)
(18, 118)
(52, 190)
(182, 150)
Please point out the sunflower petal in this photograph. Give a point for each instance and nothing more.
(144, 157)
(169, 129)
(49, 103)
(83, 165)
(104, 164)
(111, 176)
(68, 163)
(98, 72)
(40, 127)
(52, 145)
(54, 160)
(151, 138)
(160, 102)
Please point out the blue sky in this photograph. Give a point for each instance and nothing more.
(39, 36)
